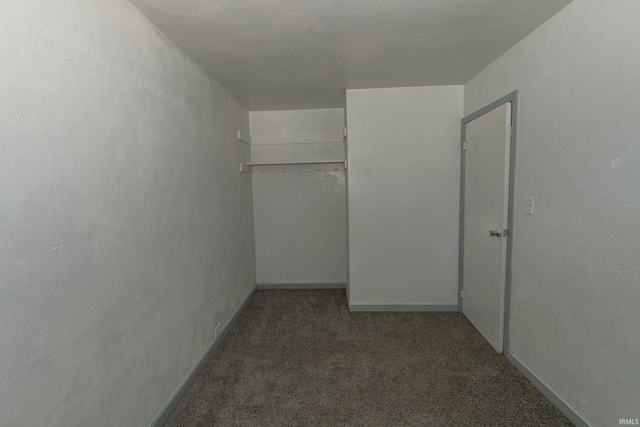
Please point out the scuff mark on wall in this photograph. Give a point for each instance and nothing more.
(615, 163)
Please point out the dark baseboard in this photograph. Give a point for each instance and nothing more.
(547, 392)
(168, 408)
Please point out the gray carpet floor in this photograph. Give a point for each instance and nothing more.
(300, 358)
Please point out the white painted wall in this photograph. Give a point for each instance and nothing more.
(126, 232)
(404, 175)
(300, 217)
(576, 261)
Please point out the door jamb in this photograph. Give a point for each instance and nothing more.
(513, 99)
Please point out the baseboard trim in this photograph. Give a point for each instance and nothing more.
(403, 307)
(547, 392)
(299, 286)
(173, 401)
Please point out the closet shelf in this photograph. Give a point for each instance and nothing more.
(315, 162)
(297, 139)
(271, 144)
(299, 166)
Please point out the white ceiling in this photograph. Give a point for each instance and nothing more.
(290, 54)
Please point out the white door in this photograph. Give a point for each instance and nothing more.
(486, 195)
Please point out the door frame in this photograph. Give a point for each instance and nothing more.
(513, 99)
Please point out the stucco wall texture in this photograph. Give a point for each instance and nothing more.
(126, 231)
(576, 261)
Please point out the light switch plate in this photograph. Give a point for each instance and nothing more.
(528, 205)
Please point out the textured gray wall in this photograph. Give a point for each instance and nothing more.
(126, 232)
(576, 261)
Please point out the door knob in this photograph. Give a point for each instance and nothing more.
(498, 233)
